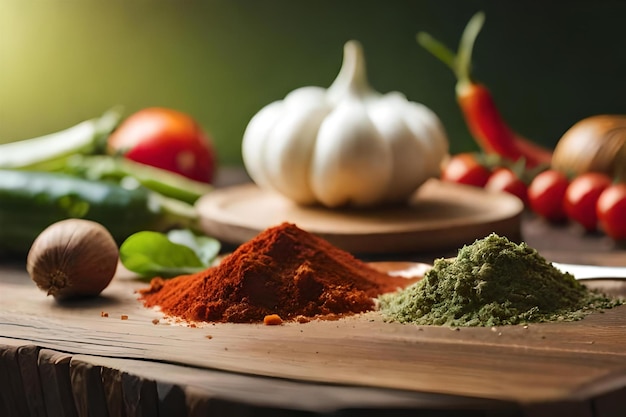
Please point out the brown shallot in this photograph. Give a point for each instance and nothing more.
(73, 258)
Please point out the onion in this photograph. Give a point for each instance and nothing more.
(73, 258)
(596, 143)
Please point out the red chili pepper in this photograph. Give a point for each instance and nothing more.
(490, 130)
(481, 114)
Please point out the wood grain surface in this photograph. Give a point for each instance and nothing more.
(439, 216)
(575, 362)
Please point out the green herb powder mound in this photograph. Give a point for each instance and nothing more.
(493, 282)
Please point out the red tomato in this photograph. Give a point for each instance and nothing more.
(611, 211)
(463, 168)
(166, 139)
(581, 197)
(503, 179)
(546, 193)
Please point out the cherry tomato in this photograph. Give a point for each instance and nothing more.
(611, 211)
(166, 139)
(546, 193)
(503, 179)
(581, 197)
(463, 168)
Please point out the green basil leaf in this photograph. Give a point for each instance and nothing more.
(151, 254)
(205, 247)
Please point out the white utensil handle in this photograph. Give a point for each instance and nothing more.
(592, 271)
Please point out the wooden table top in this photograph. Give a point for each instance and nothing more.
(59, 377)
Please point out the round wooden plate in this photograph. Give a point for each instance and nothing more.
(439, 216)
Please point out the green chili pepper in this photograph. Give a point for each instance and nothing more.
(50, 152)
(115, 168)
(31, 200)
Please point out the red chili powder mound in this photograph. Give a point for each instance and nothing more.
(284, 270)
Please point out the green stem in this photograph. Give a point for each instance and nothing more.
(461, 62)
(466, 47)
(438, 49)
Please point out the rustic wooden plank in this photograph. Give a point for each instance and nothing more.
(340, 352)
(533, 364)
(184, 375)
(28, 357)
(560, 408)
(258, 393)
(11, 384)
(89, 395)
(199, 404)
(54, 371)
(610, 404)
(171, 400)
(113, 391)
(7, 406)
(140, 396)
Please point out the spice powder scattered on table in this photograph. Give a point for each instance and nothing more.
(284, 271)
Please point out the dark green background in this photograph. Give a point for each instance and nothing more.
(548, 63)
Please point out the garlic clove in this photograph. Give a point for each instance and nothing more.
(256, 141)
(293, 140)
(407, 173)
(352, 163)
(73, 258)
(292, 126)
(429, 130)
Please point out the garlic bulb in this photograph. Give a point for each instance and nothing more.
(345, 145)
(73, 258)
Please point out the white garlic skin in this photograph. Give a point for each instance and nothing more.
(347, 145)
(73, 258)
